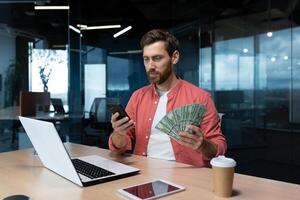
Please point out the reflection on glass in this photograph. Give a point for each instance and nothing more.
(118, 73)
(234, 67)
(205, 68)
(261, 69)
(94, 83)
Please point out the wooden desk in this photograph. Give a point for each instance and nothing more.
(13, 113)
(22, 173)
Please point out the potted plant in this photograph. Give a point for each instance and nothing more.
(45, 76)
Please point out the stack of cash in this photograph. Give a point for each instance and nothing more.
(178, 119)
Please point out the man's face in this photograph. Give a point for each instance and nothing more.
(158, 63)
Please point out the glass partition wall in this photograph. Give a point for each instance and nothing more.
(252, 75)
(248, 59)
(34, 58)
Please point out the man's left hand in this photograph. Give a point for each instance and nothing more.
(193, 139)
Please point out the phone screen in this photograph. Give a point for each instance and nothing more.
(151, 189)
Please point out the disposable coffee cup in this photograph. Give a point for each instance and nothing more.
(223, 173)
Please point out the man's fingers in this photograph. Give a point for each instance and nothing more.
(191, 140)
(114, 117)
(122, 121)
(126, 125)
(118, 123)
(188, 135)
(194, 129)
(124, 128)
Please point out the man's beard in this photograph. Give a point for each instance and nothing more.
(158, 77)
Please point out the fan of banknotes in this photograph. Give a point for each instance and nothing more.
(177, 120)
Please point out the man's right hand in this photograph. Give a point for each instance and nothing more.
(121, 127)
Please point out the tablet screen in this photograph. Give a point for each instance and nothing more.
(151, 189)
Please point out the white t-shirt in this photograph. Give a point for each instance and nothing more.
(159, 145)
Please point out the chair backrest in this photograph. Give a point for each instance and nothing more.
(221, 116)
(99, 112)
(58, 105)
(31, 101)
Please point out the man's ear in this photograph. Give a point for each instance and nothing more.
(175, 57)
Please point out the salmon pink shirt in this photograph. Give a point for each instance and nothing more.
(142, 106)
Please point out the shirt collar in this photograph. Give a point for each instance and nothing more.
(171, 92)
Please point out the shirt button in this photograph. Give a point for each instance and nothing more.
(155, 102)
(144, 153)
(150, 119)
(147, 137)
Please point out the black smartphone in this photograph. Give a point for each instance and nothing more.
(118, 108)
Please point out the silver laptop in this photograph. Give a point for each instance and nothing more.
(84, 171)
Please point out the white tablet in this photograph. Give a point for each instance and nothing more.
(150, 190)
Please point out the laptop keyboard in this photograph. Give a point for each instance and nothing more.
(90, 170)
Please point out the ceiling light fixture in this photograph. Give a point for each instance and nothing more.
(84, 27)
(74, 29)
(103, 27)
(81, 26)
(51, 7)
(122, 31)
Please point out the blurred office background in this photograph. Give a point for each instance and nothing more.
(245, 53)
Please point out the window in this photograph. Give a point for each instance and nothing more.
(50, 66)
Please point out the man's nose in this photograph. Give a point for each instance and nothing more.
(151, 64)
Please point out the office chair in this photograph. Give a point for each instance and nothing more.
(221, 116)
(98, 127)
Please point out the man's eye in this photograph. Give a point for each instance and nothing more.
(146, 59)
(157, 58)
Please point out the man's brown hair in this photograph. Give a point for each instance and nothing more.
(171, 43)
